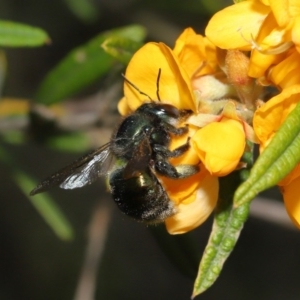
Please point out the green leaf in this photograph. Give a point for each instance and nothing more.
(21, 35)
(228, 223)
(82, 66)
(121, 48)
(275, 162)
(46, 207)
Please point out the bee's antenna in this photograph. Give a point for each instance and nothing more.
(157, 84)
(134, 86)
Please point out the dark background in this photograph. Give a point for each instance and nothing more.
(35, 264)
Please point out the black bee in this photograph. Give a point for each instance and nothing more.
(137, 151)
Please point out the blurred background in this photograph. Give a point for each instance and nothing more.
(76, 244)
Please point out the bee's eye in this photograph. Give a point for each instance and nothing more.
(168, 110)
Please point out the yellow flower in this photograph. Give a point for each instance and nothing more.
(195, 197)
(268, 27)
(266, 122)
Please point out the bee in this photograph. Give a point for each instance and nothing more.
(137, 152)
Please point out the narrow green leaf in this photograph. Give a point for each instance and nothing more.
(121, 48)
(46, 207)
(228, 223)
(14, 34)
(82, 66)
(225, 233)
(275, 162)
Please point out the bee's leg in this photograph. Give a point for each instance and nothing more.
(187, 170)
(175, 130)
(165, 168)
(165, 152)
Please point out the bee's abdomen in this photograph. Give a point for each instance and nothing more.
(142, 197)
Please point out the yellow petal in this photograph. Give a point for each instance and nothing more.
(269, 117)
(211, 53)
(189, 157)
(234, 26)
(123, 107)
(265, 2)
(276, 37)
(186, 99)
(286, 73)
(280, 10)
(295, 34)
(294, 7)
(291, 176)
(181, 189)
(291, 198)
(190, 49)
(284, 11)
(194, 213)
(220, 145)
(259, 63)
(271, 38)
(266, 39)
(173, 86)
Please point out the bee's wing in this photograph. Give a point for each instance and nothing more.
(140, 159)
(81, 172)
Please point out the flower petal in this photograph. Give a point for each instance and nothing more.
(296, 32)
(123, 107)
(181, 189)
(290, 177)
(286, 73)
(280, 10)
(190, 49)
(192, 214)
(220, 145)
(181, 80)
(267, 39)
(173, 86)
(291, 198)
(234, 26)
(259, 63)
(189, 157)
(269, 117)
